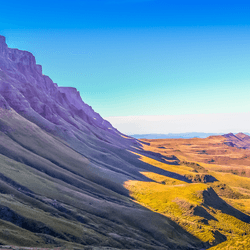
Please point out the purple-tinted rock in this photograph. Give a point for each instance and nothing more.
(24, 88)
(3, 103)
(3, 46)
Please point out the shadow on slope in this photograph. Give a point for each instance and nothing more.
(104, 222)
(49, 186)
(211, 199)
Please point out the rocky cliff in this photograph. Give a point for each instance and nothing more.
(25, 89)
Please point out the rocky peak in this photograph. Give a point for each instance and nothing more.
(24, 57)
(243, 136)
(22, 60)
(3, 46)
(229, 135)
(2, 40)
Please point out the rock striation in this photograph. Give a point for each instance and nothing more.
(239, 140)
(25, 89)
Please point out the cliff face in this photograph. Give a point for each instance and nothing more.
(27, 90)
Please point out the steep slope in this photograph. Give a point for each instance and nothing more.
(63, 169)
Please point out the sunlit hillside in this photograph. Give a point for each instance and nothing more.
(215, 207)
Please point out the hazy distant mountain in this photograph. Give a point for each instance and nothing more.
(174, 136)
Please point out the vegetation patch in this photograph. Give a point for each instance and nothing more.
(196, 166)
(163, 179)
(224, 190)
(200, 178)
(198, 207)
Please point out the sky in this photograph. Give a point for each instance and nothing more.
(138, 60)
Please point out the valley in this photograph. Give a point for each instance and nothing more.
(215, 207)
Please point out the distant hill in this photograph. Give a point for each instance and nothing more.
(239, 140)
(174, 136)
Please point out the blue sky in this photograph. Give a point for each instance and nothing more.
(140, 57)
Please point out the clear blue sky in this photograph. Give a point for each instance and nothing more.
(140, 57)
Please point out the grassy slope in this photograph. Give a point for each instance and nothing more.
(213, 220)
(50, 195)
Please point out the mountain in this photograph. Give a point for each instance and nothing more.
(64, 170)
(174, 136)
(70, 180)
(239, 140)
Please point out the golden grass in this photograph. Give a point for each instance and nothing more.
(144, 190)
(163, 179)
(124, 136)
(176, 199)
(229, 224)
(204, 150)
(234, 243)
(240, 204)
(179, 169)
(167, 200)
(233, 180)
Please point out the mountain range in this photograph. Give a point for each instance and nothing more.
(176, 136)
(70, 180)
(173, 136)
